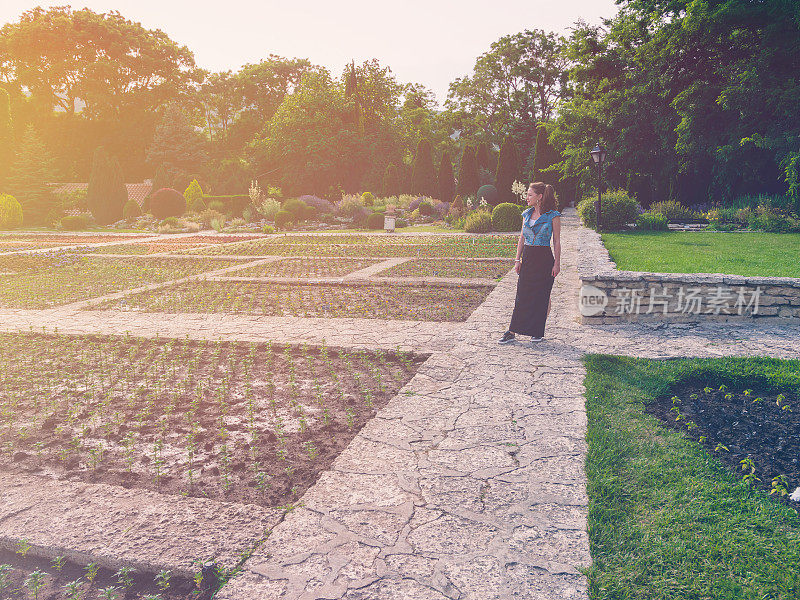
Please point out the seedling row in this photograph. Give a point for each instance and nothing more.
(242, 422)
(384, 301)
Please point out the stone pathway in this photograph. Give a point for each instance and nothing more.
(469, 484)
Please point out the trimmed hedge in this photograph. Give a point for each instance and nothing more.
(283, 218)
(375, 221)
(618, 209)
(652, 222)
(478, 222)
(131, 210)
(296, 208)
(76, 222)
(506, 217)
(167, 202)
(10, 212)
(489, 192)
(426, 209)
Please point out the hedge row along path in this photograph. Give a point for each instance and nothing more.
(467, 484)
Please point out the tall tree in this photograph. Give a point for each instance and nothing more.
(6, 134)
(28, 181)
(391, 181)
(423, 174)
(507, 170)
(447, 182)
(107, 194)
(177, 147)
(468, 173)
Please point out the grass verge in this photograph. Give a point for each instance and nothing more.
(734, 253)
(666, 519)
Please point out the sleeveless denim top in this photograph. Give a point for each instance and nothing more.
(540, 232)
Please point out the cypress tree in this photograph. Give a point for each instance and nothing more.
(423, 174)
(447, 182)
(482, 155)
(6, 135)
(507, 170)
(28, 181)
(468, 173)
(107, 193)
(544, 156)
(391, 182)
(178, 148)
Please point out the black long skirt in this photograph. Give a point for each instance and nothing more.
(533, 291)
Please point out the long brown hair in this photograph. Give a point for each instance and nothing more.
(549, 198)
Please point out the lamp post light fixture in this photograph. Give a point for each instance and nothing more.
(599, 157)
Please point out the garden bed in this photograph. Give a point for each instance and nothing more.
(357, 300)
(63, 580)
(490, 246)
(240, 422)
(737, 425)
(483, 269)
(307, 267)
(46, 280)
(151, 248)
(667, 519)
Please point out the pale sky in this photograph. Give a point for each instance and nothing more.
(423, 41)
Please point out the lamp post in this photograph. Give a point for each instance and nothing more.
(599, 157)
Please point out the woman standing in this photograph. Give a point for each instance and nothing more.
(536, 264)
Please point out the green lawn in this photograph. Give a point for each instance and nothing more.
(666, 519)
(749, 254)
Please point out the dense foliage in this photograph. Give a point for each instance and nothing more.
(107, 194)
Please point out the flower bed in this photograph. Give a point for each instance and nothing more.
(417, 303)
(242, 422)
(494, 269)
(46, 280)
(306, 267)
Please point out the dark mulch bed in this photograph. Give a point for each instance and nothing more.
(740, 424)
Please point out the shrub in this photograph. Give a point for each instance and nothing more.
(106, 195)
(309, 212)
(506, 217)
(367, 198)
(269, 208)
(322, 205)
(414, 204)
(771, 221)
(375, 221)
(650, 221)
(478, 222)
(360, 218)
(216, 206)
(76, 222)
(618, 209)
(442, 209)
(426, 209)
(232, 204)
(283, 218)
(350, 207)
(167, 202)
(400, 223)
(267, 229)
(131, 210)
(674, 211)
(457, 208)
(193, 193)
(171, 222)
(295, 207)
(207, 216)
(10, 212)
(198, 206)
(218, 223)
(488, 193)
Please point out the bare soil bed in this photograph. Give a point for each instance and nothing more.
(366, 301)
(483, 269)
(25, 577)
(740, 425)
(240, 422)
(489, 246)
(44, 280)
(307, 267)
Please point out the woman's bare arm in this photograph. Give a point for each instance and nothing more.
(556, 245)
(520, 244)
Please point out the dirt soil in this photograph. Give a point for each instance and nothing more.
(231, 421)
(15, 583)
(761, 430)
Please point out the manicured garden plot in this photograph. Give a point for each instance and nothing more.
(151, 248)
(755, 433)
(667, 519)
(241, 422)
(306, 267)
(750, 254)
(383, 301)
(70, 240)
(490, 246)
(25, 577)
(484, 269)
(18, 246)
(51, 279)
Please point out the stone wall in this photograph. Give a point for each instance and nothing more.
(611, 296)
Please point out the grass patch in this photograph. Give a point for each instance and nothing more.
(666, 519)
(747, 253)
